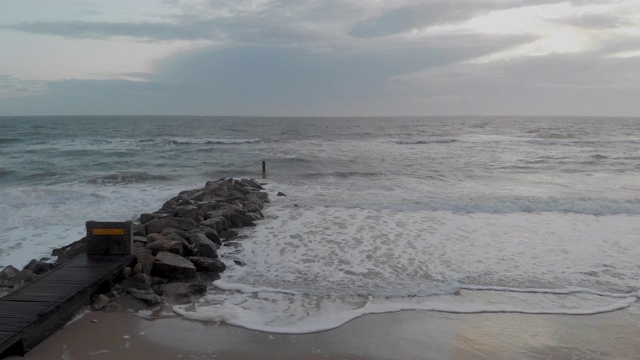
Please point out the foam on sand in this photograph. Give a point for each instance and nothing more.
(311, 269)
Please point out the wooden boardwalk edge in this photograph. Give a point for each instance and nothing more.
(29, 314)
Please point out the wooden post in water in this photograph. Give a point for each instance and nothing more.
(264, 169)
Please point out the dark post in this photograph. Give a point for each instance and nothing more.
(264, 169)
(109, 238)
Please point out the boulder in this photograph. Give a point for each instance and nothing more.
(229, 234)
(139, 230)
(99, 302)
(138, 281)
(38, 267)
(166, 245)
(138, 249)
(202, 246)
(70, 251)
(207, 264)
(171, 266)
(148, 297)
(183, 293)
(142, 240)
(22, 278)
(157, 225)
(187, 249)
(154, 237)
(188, 211)
(252, 184)
(146, 217)
(146, 261)
(205, 207)
(7, 274)
(209, 232)
(217, 223)
(261, 196)
(241, 220)
(281, 194)
(169, 231)
(220, 212)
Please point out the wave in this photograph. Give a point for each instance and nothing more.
(425, 142)
(127, 178)
(285, 312)
(343, 174)
(213, 141)
(9, 140)
(587, 206)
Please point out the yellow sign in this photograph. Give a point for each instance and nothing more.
(107, 231)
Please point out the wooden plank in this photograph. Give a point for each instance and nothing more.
(32, 312)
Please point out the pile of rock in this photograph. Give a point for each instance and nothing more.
(175, 247)
(180, 241)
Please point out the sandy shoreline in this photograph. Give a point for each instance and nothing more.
(402, 335)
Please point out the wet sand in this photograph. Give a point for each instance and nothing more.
(403, 335)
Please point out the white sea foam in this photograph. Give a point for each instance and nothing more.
(37, 219)
(315, 268)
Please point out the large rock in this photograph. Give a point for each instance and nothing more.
(183, 293)
(22, 278)
(241, 220)
(138, 249)
(207, 264)
(166, 245)
(138, 281)
(7, 274)
(174, 267)
(218, 223)
(154, 237)
(157, 225)
(187, 249)
(147, 296)
(188, 211)
(146, 262)
(202, 246)
(146, 217)
(209, 232)
(139, 230)
(38, 267)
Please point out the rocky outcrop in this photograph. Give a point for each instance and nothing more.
(173, 267)
(176, 247)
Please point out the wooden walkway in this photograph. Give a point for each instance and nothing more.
(33, 312)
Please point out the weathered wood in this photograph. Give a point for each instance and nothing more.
(31, 313)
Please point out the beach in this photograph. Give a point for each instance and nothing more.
(401, 335)
(403, 238)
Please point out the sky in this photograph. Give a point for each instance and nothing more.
(320, 57)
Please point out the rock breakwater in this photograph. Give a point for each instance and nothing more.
(175, 247)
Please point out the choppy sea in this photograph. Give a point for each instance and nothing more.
(452, 214)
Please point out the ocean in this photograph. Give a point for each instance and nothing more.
(535, 215)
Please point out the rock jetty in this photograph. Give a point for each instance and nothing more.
(175, 247)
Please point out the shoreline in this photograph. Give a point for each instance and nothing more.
(400, 335)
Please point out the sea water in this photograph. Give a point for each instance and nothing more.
(455, 214)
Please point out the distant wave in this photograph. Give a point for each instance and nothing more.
(127, 178)
(589, 206)
(343, 174)
(213, 141)
(425, 142)
(5, 172)
(8, 140)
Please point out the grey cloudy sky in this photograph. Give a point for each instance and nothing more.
(320, 57)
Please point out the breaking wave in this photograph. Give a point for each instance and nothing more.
(127, 178)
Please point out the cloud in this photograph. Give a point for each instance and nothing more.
(106, 30)
(12, 87)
